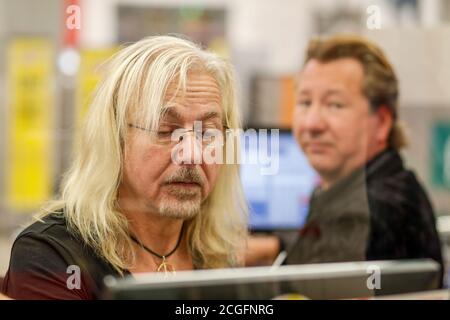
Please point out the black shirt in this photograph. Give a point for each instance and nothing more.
(49, 262)
(379, 212)
(402, 220)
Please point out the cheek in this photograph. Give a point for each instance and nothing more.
(212, 174)
(343, 123)
(375, 129)
(350, 133)
(297, 127)
(144, 165)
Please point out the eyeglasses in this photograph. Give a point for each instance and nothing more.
(207, 136)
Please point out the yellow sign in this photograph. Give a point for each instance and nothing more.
(29, 178)
(91, 72)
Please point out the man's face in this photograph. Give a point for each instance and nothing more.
(332, 120)
(152, 182)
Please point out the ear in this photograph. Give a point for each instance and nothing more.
(384, 123)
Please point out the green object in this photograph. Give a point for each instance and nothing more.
(441, 155)
(191, 13)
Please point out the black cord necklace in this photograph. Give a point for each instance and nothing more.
(164, 266)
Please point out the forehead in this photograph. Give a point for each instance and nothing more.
(202, 95)
(342, 74)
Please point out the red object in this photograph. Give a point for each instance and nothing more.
(70, 35)
(310, 229)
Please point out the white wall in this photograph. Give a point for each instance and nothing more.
(265, 36)
(421, 57)
(274, 30)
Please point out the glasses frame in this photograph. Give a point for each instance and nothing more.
(185, 131)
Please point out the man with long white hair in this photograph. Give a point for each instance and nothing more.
(134, 200)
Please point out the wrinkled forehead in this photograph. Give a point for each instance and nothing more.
(198, 87)
(200, 93)
(195, 92)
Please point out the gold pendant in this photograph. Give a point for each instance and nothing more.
(167, 268)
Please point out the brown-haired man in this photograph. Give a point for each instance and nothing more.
(368, 206)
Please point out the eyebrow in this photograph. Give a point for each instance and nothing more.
(333, 91)
(210, 115)
(172, 113)
(327, 92)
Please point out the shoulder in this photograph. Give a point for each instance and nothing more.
(51, 231)
(47, 242)
(52, 224)
(399, 202)
(397, 199)
(44, 254)
(389, 182)
(398, 190)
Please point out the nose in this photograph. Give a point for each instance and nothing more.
(189, 150)
(314, 120)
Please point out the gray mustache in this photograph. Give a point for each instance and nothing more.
(185, 175)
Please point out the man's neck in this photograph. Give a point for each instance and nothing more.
(329, 180)
(161, 236)
(159, 233)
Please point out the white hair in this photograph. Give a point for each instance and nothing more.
(135, 86)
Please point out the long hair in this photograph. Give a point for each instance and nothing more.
(135, 86)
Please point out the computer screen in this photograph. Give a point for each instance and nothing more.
(278, 200)
(314, 281)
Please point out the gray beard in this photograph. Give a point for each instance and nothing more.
(185, 207)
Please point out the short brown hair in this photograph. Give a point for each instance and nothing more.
(380, 82)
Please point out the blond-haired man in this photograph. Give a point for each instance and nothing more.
(139, 197)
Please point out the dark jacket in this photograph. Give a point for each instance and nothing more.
(44, 261)
(379, 212)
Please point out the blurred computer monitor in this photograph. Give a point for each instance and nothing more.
(315, 281)
(280, 200)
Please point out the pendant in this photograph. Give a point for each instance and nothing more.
(166, 268)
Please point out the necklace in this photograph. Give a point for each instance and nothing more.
(164, 266)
